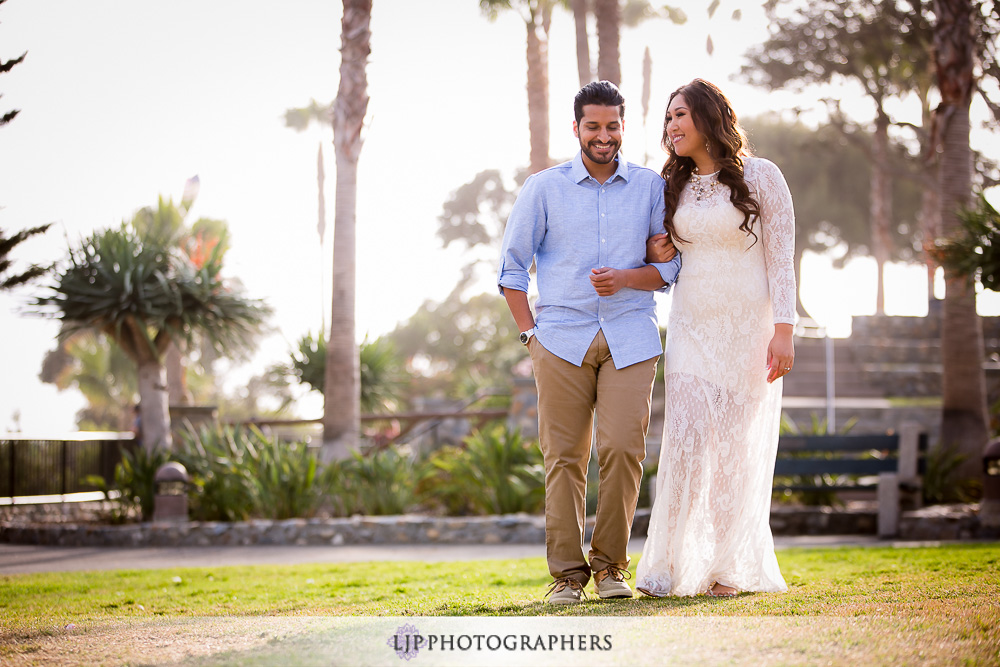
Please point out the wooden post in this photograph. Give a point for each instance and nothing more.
(888, 504)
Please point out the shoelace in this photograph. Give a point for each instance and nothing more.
(559, 584)
(618, 574)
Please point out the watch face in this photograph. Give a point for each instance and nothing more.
(524, 338)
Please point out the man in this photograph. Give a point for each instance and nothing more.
(594, 343)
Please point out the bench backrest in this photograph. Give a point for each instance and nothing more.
(851, 454)
(836, 454)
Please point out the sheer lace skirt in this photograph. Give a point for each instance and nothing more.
(709, 521)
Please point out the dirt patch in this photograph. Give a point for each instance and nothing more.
(151, 642)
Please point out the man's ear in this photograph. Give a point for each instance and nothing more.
(576, 130)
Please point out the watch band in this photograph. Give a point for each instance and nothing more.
(526, 336)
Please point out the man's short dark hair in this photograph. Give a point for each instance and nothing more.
(604, 93)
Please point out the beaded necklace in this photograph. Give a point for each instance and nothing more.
(703, 186)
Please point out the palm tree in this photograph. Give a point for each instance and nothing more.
(537, 15)
(8, 279)
(609, 18)
(300, 119)
(964, 417)
(585, 71)
(342, 400)
(145, 294)
(6, 66)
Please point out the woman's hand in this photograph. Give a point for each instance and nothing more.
(780, 352)
(659, 249)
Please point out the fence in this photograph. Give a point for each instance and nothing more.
(58, 466)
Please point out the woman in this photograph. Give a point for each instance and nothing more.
(729, 342)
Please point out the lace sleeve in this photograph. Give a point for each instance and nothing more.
(778, 231)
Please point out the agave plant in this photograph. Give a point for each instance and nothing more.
(142, 291)
(496, 472)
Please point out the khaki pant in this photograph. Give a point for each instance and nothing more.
(567, 399)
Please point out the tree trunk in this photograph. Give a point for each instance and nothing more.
(154, 411)
(342, 380)
(538, 91)
(321, 230)
(177, 391)
(964, 418)
(881, 205)
(609, 18)
(930, 223)
(583, 66)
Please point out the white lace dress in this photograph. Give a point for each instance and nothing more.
(709, 521)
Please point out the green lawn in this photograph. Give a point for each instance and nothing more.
(948, 595)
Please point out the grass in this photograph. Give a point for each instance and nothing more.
(947, 594)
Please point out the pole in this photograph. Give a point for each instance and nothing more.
(831, 412)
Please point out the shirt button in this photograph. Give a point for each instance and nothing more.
(602, 215)
(603, 241)
(602, 319)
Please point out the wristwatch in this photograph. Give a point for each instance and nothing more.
(526, 335)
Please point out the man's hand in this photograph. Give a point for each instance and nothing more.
(607, 281)
(659, 249)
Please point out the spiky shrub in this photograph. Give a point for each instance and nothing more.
(286, 482)
(495, 472)
(219, 464)
(941, 483)
(239, 473)
(375, 483)
(134, 482)
(974, 250)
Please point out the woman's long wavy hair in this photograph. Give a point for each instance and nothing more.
(714, 117)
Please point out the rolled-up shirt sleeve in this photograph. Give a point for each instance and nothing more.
(522, 237)
(668, 270)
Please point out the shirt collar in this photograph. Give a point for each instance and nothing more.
(580, 172)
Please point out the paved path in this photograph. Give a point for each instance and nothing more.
(21, 558)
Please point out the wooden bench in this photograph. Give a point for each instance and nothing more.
(896, 466)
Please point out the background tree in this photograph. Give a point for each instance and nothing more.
(459, 347)
(10, 279)
(537, 16)
(144, 293)
(300, 119)
(102, 372)
(609, 18)
(964, 415)
(583, 65)
(829, 177)
(6, 66)
(880, 46)
(342, 400)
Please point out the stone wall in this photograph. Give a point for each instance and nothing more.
(932, 523)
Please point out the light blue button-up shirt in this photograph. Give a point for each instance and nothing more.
(569, 223)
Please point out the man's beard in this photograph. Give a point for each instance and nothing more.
(594, 157)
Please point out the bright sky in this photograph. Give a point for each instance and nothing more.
(123, 101)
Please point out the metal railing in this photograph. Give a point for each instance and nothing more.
(50, 466)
